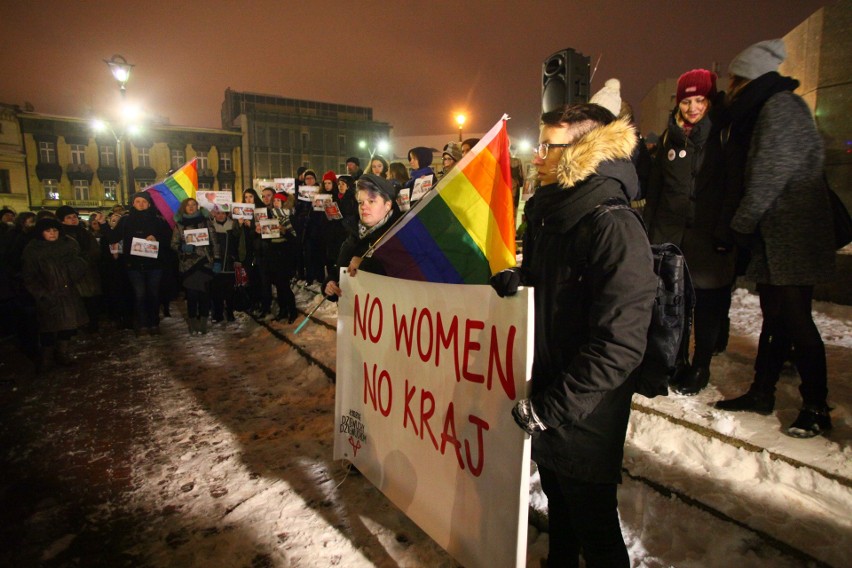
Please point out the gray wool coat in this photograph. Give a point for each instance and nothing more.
(785, 207)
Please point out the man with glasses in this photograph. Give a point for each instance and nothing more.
(594, 282)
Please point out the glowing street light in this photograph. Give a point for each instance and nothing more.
(120, 69)
(382, 146)
(460, 118)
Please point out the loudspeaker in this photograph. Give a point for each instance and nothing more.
(564, 79)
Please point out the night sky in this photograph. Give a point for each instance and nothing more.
(414, 63)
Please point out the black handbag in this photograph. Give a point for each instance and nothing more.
(841, 218)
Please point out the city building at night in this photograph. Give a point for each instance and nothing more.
(13, 169)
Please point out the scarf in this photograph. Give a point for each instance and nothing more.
(364, 230)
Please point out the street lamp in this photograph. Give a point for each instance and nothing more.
(382, 146)
(460, 118)
(120, 69)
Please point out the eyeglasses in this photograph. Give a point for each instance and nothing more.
(447, 159)
(541, 149)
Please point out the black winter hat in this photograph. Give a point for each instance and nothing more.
(44, 224)
(354, 160)
(143, 195)
(423, 154)
(372, 182)
(64, 211)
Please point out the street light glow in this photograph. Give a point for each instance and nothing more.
(383, 146)
(460, 118)
(362, 144)
(98, 125)
(120, 69)
(130, 112)
(524, 145)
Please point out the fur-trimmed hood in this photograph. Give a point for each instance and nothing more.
(604, 151)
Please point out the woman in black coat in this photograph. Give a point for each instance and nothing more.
(52, 267)
(685, 206)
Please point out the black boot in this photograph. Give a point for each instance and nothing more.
(752, 401)
(693, 381)
(722, 338)
(812, 421)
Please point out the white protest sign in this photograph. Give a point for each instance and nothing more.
(321, 201)
(242, 210)
(269, 229)
(214, 200)
(421, 186)
(143, 247)
(307, 192)
(196, 237)
(402, 199)
(427, 375)
(285, 185)
(261, 213)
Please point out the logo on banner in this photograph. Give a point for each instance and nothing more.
(351, 424)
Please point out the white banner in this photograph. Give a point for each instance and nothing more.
(427, 375)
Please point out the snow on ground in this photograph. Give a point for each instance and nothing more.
(231, 463)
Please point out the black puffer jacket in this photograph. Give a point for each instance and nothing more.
(51, 270)
(594, 290)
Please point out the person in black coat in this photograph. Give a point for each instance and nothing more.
(338, 229)
(594, 288)
(686, 206)
(144, 272)
(377, 212)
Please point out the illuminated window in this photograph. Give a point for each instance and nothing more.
(51, 188)
(110, 189)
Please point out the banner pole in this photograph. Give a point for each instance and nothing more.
(308, 317)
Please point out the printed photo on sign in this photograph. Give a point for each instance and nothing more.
(116, 248)
(259, 184)
(285, 185)
(142, 247)
(242, 210)
(214, 200)
(307, 192)
(332, 211)
(269, 229)
(197, 237)
(321, 200)
(421, 186)
(261, 214)
(403, 199)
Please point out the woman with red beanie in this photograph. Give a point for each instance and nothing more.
(686, 206)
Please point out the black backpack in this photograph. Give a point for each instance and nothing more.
(671, 321)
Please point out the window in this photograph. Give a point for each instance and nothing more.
(47, 152)
(144, 157)
(204, 185)
(144, 183)
(5, 184)
(226, 186)
(178, 158)
(341, 142)
(51, 188)
(81, 189)
(202, 160)
(78, 154)
(341, 168)
(306, 164)
(107, 156)
(225, 163)
(306, 139)
(110, 189)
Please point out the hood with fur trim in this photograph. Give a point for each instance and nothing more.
(604, 151)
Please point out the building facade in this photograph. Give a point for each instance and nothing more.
(68, 163)
(281, 134)
(13, 168)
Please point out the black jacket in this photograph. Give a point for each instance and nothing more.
(51, 270)
(140, 224)
(594, 290)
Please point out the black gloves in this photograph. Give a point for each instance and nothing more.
(526, 418)
(506, 282)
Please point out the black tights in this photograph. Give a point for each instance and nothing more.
(787, 322)
(711, 310)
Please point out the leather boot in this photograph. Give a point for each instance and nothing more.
(62, 355)
(752, 401)
(694, 381)
(810, 362)
(202, 325)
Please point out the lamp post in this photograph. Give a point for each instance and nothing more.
(120, 69)
(380, 146)
(460, 118)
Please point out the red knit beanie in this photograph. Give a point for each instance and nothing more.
(330, 175)
(280, 196)
(696, 83)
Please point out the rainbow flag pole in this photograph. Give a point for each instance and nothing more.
(463, 231)
(168, 194)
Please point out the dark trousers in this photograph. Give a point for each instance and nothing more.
(51, 338)
(787, 322)
(583, 519)
(711, 311)
(146, 292)
(197, 303)
(222, 295)
(283, 293)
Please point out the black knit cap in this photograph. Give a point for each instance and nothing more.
(354, 160)
(64, 211)
(372, 182)
(44, 224)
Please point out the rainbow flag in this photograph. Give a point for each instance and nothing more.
(168, 194)
(463, 231)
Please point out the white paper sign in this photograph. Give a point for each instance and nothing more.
(307, 192)
(321, 200)
(261, 213)
(242, 210)
(421, 186)
(285, 185)
(142, 247)
(332, 211)
(269, 229)
(215, 200)
(427, 375)
(402, 199)
(196, 237)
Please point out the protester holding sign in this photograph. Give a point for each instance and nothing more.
(592, 310)
(377, 212)
(279, 255)
(420, 160)
(198, 260)
(145, 273)
(337, 229)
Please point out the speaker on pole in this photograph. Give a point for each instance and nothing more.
(564, 79)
